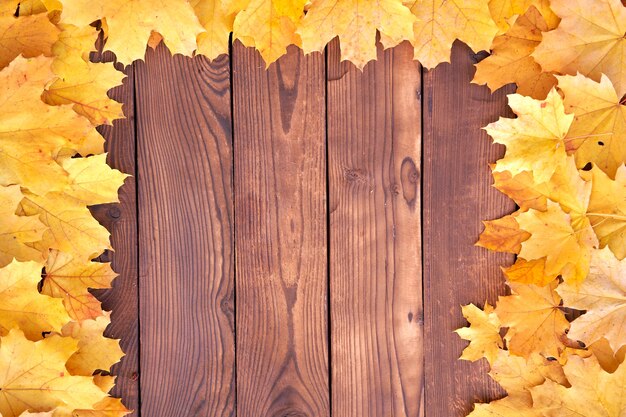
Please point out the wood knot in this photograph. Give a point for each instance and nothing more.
(354, 176)
(410, 179)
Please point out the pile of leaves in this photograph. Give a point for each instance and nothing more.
(556, 343)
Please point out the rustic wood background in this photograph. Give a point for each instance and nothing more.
(297, 241)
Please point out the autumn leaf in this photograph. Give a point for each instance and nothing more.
(528, 272)
(95, 352)
(534, 140)
(29, 36)
(218, 19)
(503, 235)
(483, 333)
(355, 23)
(32, 134)
(23, 307)
(81, 83)
(35, 379)
(534, 318)
(593, 392)
(510, 60)
(566, 249)
(92, 181)
(607, 209)
(108, 407)
(589, 39)
(130, 23)
(17, 231)
(270, 26)
(71, 227)
(603, 296)
(599, 127)
(70, 279)
(439, 23)
(503, 10)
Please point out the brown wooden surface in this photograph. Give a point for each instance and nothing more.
(313, 212)
(457, 195)
(121, 220)
(185, 236)
(280, 218)
(375, 256)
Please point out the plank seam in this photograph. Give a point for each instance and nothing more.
(136, 139)
(328, 231)
(231, 58)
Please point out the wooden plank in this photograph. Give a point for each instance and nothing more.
(121, 221)
(375, 255)
(280, 212)
(457, 196)
(186, 261)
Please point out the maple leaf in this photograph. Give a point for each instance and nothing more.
(92, 181)
(71, 227)
(566, 249)
(528, 272)
(607, 209)
(35, 378)
(503, 10)
(81, 83)
(28, 36)
(535, 320)
(22, 306)
(503, 235)
(599, 127)
(439, 23)
(95, 352)
(534, 140)
(603, 296)
(108, 407)
(130, 23)
(589, 40)
(270, 26)
(483, 333)
(355, 23)
(70, 279)
(17, 231)
(218, 19)
(510, 60)
(32, 134)
(593, 392)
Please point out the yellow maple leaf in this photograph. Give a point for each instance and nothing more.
(599, 127)
(32, 134)
(603, 296)
(34, 376)
(91, 180)
(71, 227)
(593, 392)
(217, 17)
(607, 209)
(130, 23)
(503, 235)
(534, 140)
(95, 352)
(505, 407)
(108, 407)
(534, 318)
(22, 306)
(510, 60)
(439, 23)
(70, 279)
(589, 39)
(28, 36)
(81, 83)
(270, 26)
(566, 247)
(528, 272)
(355, 23)
(17, 231)
(503, 10)
(483, 333)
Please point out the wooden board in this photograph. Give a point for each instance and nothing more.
(375, 255)
(121, 220)
(185, 236)
(280, 218)
(457, 195)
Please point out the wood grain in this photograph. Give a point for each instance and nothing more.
(121, 220)
(457, 196)
(186, 265)
(280, 212)
(375, 254)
